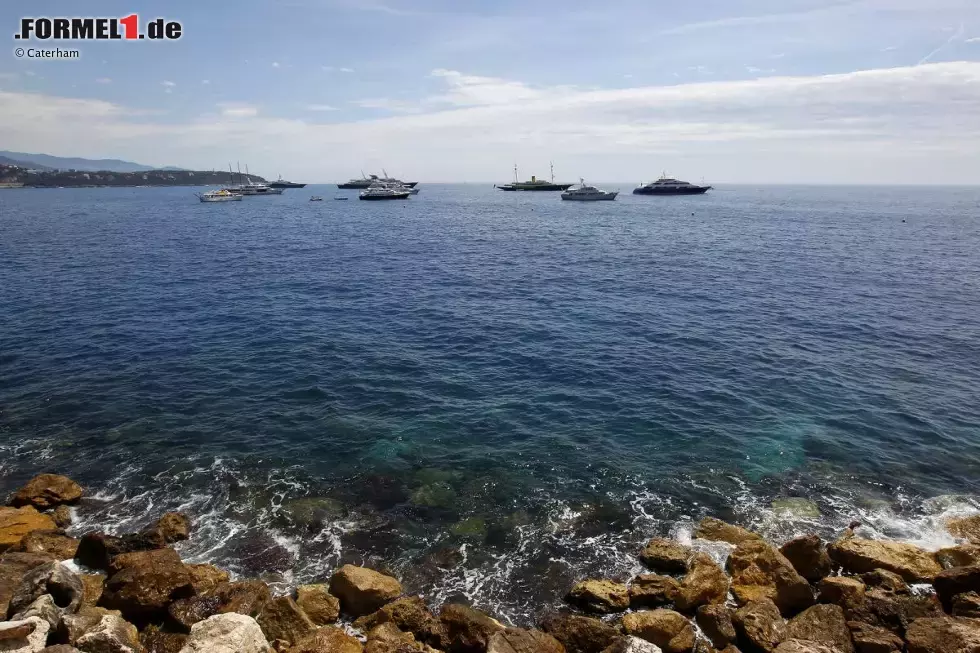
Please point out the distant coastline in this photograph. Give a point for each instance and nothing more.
(20, 177)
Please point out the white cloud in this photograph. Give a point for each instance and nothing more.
(872, 125)
(320, 107)
(103, 80)
(756, 71)
(975, 39)
(30, 73)
(275, 64)
(168, 86)
(346, 70)
(205, 81)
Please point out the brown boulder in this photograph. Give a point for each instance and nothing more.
(824, 623)
(715, 622)
(148, 583)
(599, 596)
(580, 634)
(714, 529)
(153, 558)
(96, 550)
(52, 578)
(282, 619)
(966, 605)
(409, 614)
(61, 516)
(759, 625)
(518, 640)
(704, 584)
(386, 638)
(893, 611)
(15, 523)
(173, 527)
(858, 556)
(13, 567)
(943, 635)
(47, 491)
(361, 590)
(886, 581)
(759, 571)
(92, 584)
(467, 630)
(669, 630)
(155, 640)
(64, 648)
(320, 605)
(205, 578)
(873, 639)
(841, 591)
(667, 556)
(243, 597)
(112, 634)
(809, 557)
(966, 527)
(327, 640)
(630, 644)
(652, 591)
(957, 580)
(54, 542)
(963, 555)
(804, 646)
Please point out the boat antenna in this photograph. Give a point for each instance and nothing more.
(385, 172)
(552, 171)
(239, 164)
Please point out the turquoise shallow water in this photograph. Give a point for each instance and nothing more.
(492, 393)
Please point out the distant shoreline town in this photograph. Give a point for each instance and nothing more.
(22, 177)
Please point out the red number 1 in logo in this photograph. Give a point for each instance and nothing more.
(131, 23)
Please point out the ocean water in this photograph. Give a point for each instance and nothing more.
(493, 394)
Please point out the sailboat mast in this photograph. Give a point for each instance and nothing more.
(516, 178)
(552, 171)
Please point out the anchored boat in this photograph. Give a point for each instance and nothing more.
(534, 183)
(669, 186)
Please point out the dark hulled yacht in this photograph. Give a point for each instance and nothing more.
(668, 186)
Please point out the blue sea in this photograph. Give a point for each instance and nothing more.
(493, 394)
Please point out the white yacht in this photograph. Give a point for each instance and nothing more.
(378, 191)
(219, 196)
(587, 193)
(252, 188)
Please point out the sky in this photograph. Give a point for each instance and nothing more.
(731, 91)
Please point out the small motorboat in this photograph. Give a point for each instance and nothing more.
(588, 193)
(316, 199)
(219, 196)
(339, 199)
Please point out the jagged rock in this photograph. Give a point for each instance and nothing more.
(96, 550)
(53, 542)
(966, 605)
(714, 529)
(205, 578)
(327, 640)
(13, 567)
(47, 491)
(53, 578)
(518, 640)
(243, 597)
(804, 646)
(15, 523)
(759, 571)
(652, 591)
(957, 580)
(173, 527)
(886, 581)
(809, 557)
(632, 644)
(112, 634)
(667, 556)
(147, 585)
(92, 585)
(361, 590)
(963, 555)
(43, 607)
(824, 623)
(669, 630)
(858, 556)
(26, 636)
(318, 603)
(467, 630)
(73, 626)
(282, 619)
(64, 648)
(873, 639)
(386, 638)
(892, 611)
(152, 558)
(704, 584)
(409, 614)
(943, 635)
(715, 622)
(227, 633)
(61, 516)
(155, 640)
(966, 527)
(841, 591)
(759, 625)
(599, 596)
(580, 634)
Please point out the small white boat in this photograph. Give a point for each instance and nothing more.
(587, 193)
(219, 196)
(316, 199)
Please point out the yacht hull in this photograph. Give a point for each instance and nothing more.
(377, 198)
(693, 190)
(606, 198)
(286, 184)
(523, 187)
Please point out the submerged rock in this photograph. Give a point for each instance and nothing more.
(858, 556)
(714, 529)
(652, 591)
(361, 590)
(467, 630)
(759, 571)
(759, 626)
(704, 584)
(809, 557)
(599, 596)
(667, 556)
(227, 633)
(943, 635)
(580, 634)
(434, 495)
(795, 507)
(318, 603)
(15, 523)
(669, 630)
(46, 491)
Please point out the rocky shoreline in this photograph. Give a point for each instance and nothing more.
(730, 591)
